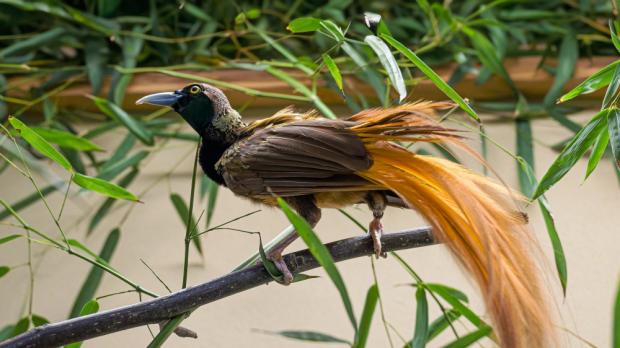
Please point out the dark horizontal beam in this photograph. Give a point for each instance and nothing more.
(166, 307)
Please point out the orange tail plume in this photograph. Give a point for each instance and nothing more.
(472, 215)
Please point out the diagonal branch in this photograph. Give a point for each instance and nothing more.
(169, 306)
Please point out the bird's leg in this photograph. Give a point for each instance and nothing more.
(306, 208)
(377, 201)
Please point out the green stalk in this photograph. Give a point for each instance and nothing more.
(188, 230)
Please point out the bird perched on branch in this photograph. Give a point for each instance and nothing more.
(315, 163)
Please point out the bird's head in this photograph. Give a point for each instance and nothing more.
(198, 103)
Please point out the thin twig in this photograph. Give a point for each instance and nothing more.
(186, 300)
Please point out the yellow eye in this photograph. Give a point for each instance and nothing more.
(194, 89)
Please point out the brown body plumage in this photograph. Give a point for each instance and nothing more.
(317, 163)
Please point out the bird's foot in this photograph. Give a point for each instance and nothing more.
(287, 276)
(376, 231)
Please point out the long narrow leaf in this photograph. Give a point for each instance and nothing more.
(573, 151)
(598, 150)
(558, 250)
(389, 64)
(567, 55)
(593, 83)
(440, 324)
(308, 336)
(116, 113)
(321, 254)
(66, 139)
(457, 304)
(613, 124)
(526, 151)
(40, 144)
(103, 210)
(470, 338)
(28, 200)
(91, 284)
(183, 212)
(104, 187)
(432, 75)
(89, 307)
(420, 335)
(369, 309)
(333, 70)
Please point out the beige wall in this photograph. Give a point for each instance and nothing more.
(587, 217)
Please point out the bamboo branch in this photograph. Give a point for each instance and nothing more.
(163, 308)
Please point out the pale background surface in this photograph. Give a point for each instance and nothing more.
(587, 217)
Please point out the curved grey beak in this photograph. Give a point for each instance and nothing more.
(163, 99)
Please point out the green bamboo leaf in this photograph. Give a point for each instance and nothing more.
(92, 281)
(525, 150)
(212, 188)
(486, 53)
(38, 320)
(121, 152)
(308, 336)
(470, 338)
(27, 201)
(132, 46)
(556, 243)
(107, 8)
(612, 89)
(432, 75)
(440, 324)
(183, 211)
(103, 210)
(320, 253)
(4, 270)
(6, 331)
(598, 150)
(613, 124)
(614, 35)
(40, 144)
(447, 295)
(96, 56)
(616, 325)
(567, 56)
(116, 113)
(333, 30)
(420, 336)
(304, 25)
(456, 293)
(333, 70)
(558, 250)
(66, 139)
(20, 327)
(389, 64)
(114, 169)
(9, 238)
(33, 43)
(104, 187)
(99, 24)
(593, 83)
(367, 73)
(77, 244)
(89, 307)
(369, 309)
(573, 151)
(270, 267)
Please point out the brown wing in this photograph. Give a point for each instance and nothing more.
(296, 158)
